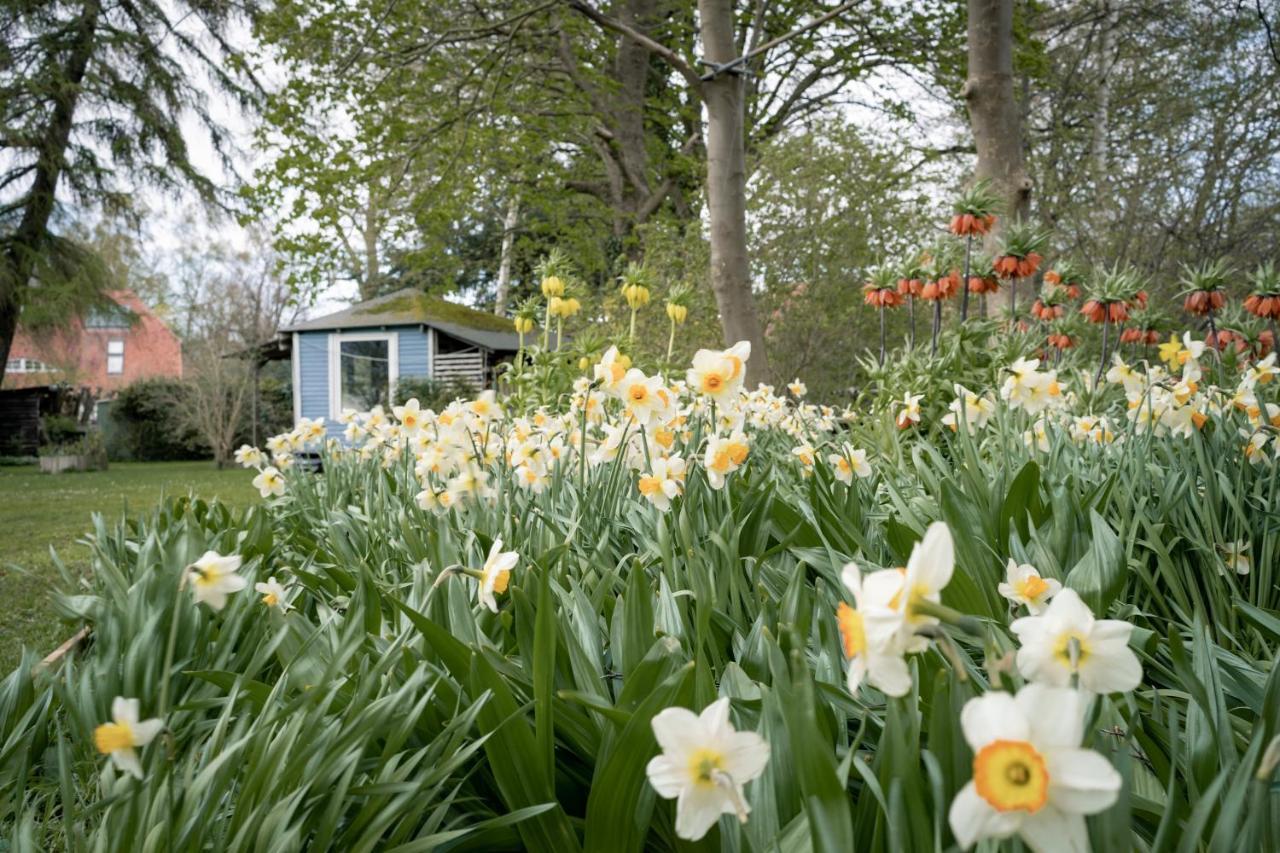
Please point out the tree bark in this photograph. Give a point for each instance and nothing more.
(1102, 119)
(17, 262)
(504, 260)
(993, 109)
(723, 97)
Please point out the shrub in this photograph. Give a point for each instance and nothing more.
(431, 393)
(143, 426)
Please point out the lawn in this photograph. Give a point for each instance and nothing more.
(40, 511)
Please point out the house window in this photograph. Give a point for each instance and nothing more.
(27, 365)
(115, 358)
(108, 317)
(365, 371)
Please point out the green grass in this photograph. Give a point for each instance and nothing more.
(42, 511)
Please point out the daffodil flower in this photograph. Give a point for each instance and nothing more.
(869, 632)
(409, 415)
(1066, 640)
(273, 594)
(248, 456)
(213, 577)
(496, 574)
(848, 462)
(269, 482)
(664, 481)
(1238, 557)
(122, 737)
(704, 765)
(1023, 585)
(1031, 778)
(929, 569)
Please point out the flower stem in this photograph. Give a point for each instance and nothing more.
(1106, 327)
(882, 335)
(964, 297)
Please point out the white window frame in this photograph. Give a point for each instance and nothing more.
(111, 355)
(336, 340)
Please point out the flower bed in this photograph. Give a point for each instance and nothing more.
(675, 611)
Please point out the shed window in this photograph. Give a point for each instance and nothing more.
(115, 358)
(364, 373)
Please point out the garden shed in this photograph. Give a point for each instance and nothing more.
(353, 358)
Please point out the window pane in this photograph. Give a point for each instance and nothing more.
(115, 364)
(115, 347)
(365, 375)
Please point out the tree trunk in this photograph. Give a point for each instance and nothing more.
(993, 109)
(1102, 118)
(17, 262)
(504, 263)
(727, 191)
(371, 233)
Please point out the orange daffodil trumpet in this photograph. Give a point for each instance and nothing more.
(1031, 778)
(704, 766)
(125, 735)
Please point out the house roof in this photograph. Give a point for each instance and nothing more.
(411, 307)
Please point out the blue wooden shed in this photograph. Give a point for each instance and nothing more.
(353, 358)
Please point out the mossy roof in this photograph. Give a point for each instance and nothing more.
(411, 307)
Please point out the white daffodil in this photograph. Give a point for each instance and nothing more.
(248, 456)
(869, 632)
(1031, 778)
(798, 389)
(848, 462)
(496, 574)
(928, 570)
(719, 374)
(610, 370)
(643, 396)
(269, 482)
(273, 594)
(1238, 557)
(910, 413)
(213, 577)
(409, 415)
(121, 737)
(1067, 640)
(1023, 585)
(664, 481)
(972, 410)
(704, 765)
(724, 456)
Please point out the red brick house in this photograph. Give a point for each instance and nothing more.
(104, 351)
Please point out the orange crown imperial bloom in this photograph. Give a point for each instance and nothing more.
(1262, 305)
